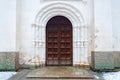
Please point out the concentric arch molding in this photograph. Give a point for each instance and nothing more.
(59, 8)
(79, 28)
(65, 0)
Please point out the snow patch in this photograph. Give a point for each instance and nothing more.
(111, 75)
(6, 75)
(96, 76)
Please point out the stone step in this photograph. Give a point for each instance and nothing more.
(63, 72)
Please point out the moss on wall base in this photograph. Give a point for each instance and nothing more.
(8, 61)
(108, 60)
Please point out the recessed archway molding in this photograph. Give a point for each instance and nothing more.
(58, 8)
(80, 42)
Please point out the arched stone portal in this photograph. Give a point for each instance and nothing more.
(80, 31)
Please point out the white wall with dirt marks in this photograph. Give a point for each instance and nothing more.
(17, 18)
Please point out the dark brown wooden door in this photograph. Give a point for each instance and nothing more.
(59, 42)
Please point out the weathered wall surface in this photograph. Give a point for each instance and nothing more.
(116, 31)
(116, 24)
(17, 17)
(7, 25)
(107, 37)
(103, 25)
(27, 11)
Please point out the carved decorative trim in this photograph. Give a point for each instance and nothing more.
(59, 8)
(83, 1)
(61, 0)
(80, 43)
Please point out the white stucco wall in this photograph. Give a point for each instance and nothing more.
(103, 25)
(116, 24)
(7, 25)
(26, 15)
(17, 17)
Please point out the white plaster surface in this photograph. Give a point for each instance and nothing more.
(103, 25)
(40, 11)
(7, 25)
(116, 24)
(17, 18)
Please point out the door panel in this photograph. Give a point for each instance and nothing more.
(59, 42)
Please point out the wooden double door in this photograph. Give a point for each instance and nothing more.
(59, 42)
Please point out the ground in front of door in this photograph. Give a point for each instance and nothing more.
(57, 73)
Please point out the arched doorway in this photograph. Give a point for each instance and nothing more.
(59, 49)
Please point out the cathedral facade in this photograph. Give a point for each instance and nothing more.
(60, 32)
